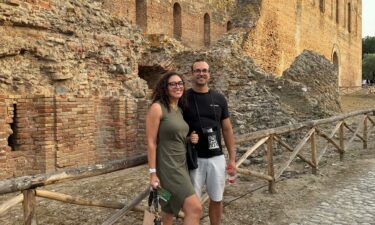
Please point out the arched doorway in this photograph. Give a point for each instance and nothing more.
(229, 26)
(207, 30)
(177, 21)
(151, 74)
(335, 60)
(141, 14)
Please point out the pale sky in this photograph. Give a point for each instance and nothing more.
(368, 18)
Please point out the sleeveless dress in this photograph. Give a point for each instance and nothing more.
(171, 159)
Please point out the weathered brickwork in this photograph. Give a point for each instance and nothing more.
(157, 17)
(286, 28)
(67, 131)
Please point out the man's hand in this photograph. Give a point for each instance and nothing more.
(231, 168)
(194, 138)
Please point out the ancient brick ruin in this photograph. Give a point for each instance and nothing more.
(75, 76)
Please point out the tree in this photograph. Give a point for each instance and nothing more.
(368, 67)
(368, 45)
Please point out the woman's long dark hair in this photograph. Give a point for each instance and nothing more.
(160, 92)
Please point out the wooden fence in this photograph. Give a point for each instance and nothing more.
(28, 185)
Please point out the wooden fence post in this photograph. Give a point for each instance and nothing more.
(29, 207)
(365, 131)
(342, 143)
(271, 171)
(313, 153)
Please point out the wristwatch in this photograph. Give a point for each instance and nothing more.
(151, 170)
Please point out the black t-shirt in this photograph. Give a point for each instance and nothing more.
(206, 103)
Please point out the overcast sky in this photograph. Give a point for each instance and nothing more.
(368, 18)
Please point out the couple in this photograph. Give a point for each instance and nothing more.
(206, 114)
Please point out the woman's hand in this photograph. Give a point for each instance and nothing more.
(194, 138)
(154, 181)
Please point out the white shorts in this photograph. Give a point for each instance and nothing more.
(210, 172)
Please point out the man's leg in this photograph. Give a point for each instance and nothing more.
(199, 176)
(215, 211)
(215, 187)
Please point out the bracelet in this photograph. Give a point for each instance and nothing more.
(152, 170)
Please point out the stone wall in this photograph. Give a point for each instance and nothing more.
(286, 28)
(71, 94)
(259, 100)
(70, 47)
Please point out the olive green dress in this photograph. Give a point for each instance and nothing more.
(171, 159)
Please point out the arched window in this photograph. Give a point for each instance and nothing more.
(141, 14)
(322, 6)
(335, 60)
(349, 18)
(177, 21)
(207, 30)
(229, 26)
(337, 11)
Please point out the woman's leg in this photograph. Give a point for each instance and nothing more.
(166, 218)
(192, 209)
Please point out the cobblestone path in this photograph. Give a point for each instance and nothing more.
(353, 204)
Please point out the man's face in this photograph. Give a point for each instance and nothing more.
(201, 73)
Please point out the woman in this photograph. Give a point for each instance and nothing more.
(166, 133)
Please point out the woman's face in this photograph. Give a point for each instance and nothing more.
(175, 87)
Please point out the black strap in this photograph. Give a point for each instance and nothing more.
(213, 108)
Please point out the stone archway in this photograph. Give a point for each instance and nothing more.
(141, 14)
(151, 74)
(207, 30)
(177, 22)
(229, 26)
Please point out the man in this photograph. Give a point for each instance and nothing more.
(208, 115)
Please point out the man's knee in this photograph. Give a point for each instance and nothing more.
(216, 203)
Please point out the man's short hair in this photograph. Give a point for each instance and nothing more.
(199, 60)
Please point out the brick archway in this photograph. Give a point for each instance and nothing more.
(177, 22)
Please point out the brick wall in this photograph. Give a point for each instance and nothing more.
(52, 133)
(159, 16)
(28, 141)
(286, 28)
(75, 131)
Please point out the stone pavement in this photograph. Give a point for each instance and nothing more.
(351, 205)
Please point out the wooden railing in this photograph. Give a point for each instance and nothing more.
(28, 184)
(270, 136)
